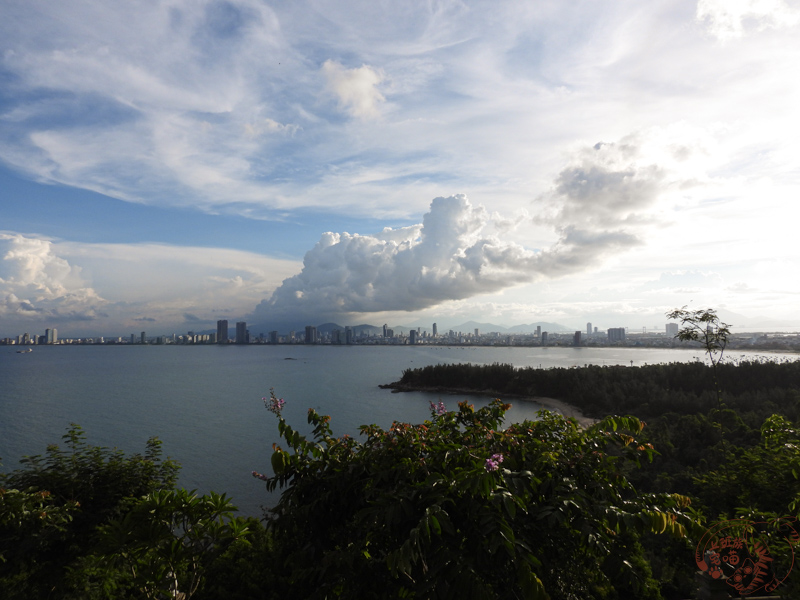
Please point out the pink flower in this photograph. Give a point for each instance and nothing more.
(438, 409)
(260, 476)
(493, 463)
(274, 405)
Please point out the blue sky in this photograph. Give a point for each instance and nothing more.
(170, 163)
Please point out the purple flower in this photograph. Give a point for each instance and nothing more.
(260, 476)
(493, 463)
(274, 405)
(438, 409)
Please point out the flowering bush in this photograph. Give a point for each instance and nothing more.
(274, 404)
(437, 410)
(459, 507)
(493, 462)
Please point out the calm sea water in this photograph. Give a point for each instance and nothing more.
(204, 402)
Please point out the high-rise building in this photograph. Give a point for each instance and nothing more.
(311, 334)
(616, 334)
(241, 333)
(412, 338)
(477, 332)
(348, 335)
(589, 329)
(576, 339)
(385, 330)
(435, 330)
(544, 338)
(51, 336)
(222, 331)
(273, 337)
(142, 338)
(672, 330)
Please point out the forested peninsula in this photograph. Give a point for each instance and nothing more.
(463, 505)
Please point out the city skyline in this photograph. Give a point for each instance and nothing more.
(168, 166)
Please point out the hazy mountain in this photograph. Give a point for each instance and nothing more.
(482, 328)
(545, 325)
(467, 327)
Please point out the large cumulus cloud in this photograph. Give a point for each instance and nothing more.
(451, 255)
(38, 285)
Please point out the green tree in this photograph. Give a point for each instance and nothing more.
(166, 541)
(51, 508)
(460, 507)
(705, 327)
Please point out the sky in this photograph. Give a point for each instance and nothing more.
(165, 164)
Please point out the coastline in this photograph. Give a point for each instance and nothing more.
(559, 406)
(551, 404)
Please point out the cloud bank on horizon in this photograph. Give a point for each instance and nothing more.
(458, 252)
(448, 257)
(620, 160)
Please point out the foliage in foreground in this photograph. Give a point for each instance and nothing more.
(459, 507)
(89, 522)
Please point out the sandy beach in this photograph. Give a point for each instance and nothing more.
(552, 404)
(563, 408)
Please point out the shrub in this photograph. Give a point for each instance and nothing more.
(459, 507)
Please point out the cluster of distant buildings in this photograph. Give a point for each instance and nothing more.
(368, 335)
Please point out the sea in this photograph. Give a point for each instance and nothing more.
(205, 402)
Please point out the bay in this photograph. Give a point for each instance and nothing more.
(205, 402)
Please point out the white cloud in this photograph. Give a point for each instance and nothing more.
(69, 284)
(729, 19)
(355, 89)
(243, 107)
(450, 256)
(270, 126)
(36, 284)
(216, 105)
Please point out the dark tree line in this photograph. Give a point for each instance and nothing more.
(754, 388)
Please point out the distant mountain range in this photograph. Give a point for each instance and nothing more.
(738, 321)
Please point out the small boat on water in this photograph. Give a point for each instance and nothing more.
(25, 351)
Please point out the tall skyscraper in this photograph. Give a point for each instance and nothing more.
(51, 336)
(222, 331)
(348, 335)
(384, 330)
(539, 332)
(142, 338)
(241, 333)
(412, 337)
(435, 330)
(588, 329)
(311, 334)
(273, 337)
(576, 339)
(672, 330)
